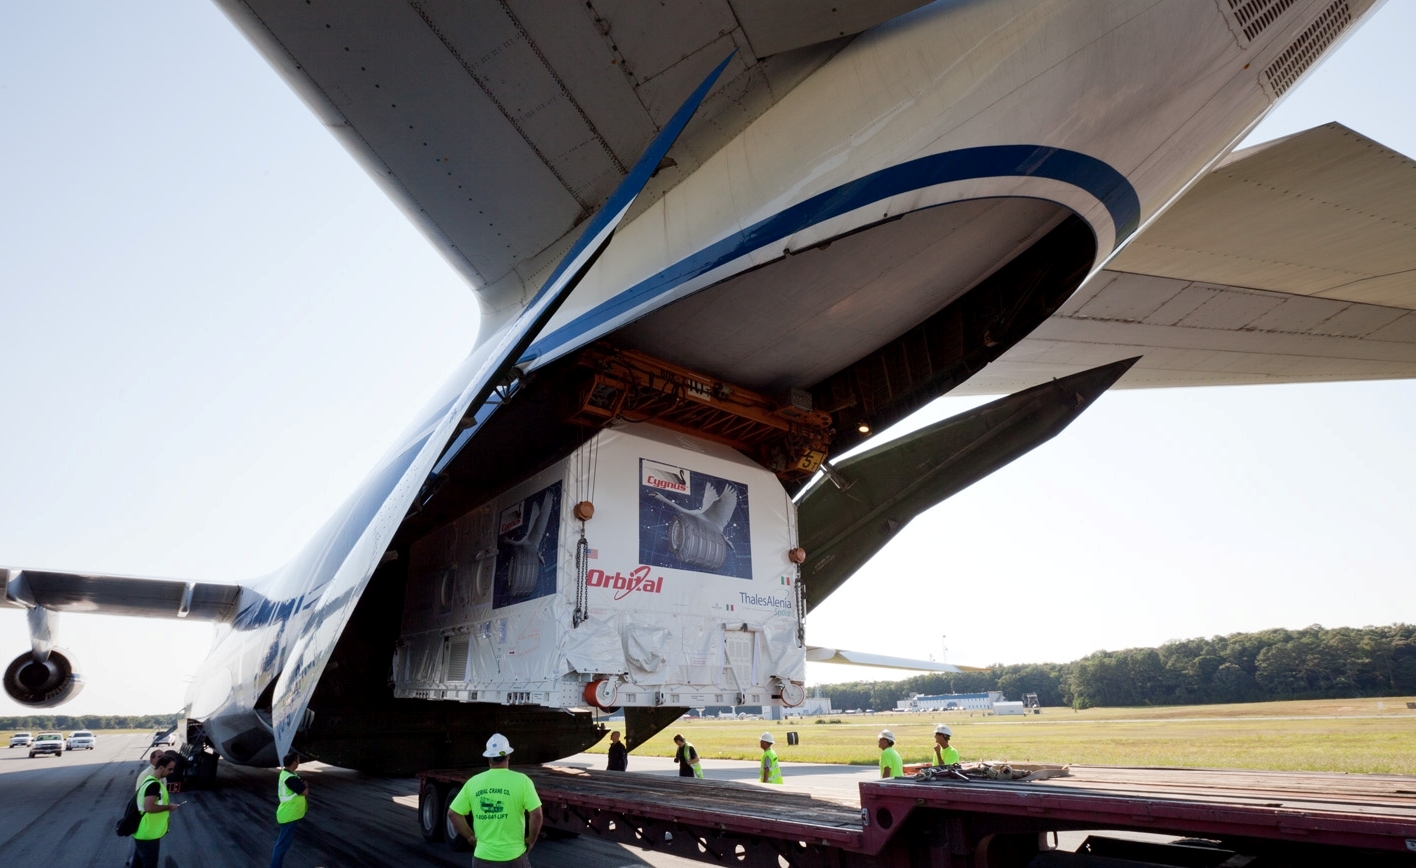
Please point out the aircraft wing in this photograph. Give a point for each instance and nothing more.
(450, 103)
(1292, 262)
(815, 654)
(119, 595)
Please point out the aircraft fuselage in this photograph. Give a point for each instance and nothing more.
(895, 181)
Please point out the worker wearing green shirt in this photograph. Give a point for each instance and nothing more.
(891, 766)
(771, 771)
(944, 755)
(499, 801)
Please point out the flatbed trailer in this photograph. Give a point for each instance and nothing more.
(1228, 817)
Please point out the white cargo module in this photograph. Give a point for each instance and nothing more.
(680, 590)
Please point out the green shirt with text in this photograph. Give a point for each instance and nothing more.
(497, 802)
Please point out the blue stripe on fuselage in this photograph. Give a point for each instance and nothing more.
(1104, 183)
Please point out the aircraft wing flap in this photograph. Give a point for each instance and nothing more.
(816, 654)
(1327, 213)
(119, 595)
(1293, 262)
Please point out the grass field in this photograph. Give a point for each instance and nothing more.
(1337, 735)
(1346, 735)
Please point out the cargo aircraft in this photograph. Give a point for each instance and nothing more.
(716, 246)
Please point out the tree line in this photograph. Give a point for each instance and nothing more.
(1311, 663)
(68, 723)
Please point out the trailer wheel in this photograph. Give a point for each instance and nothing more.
(431, 811)
(455, 842)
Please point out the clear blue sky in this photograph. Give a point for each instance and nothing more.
(214, 323)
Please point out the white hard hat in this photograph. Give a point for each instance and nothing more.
(888, 735)
(497, 746)
(767, 737)
(941, 729)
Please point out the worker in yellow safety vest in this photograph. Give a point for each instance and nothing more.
(771, 772)
(687, 758)
(154, 804)
(291, 790)
(891, 766)
(944, 755)
(142, 776)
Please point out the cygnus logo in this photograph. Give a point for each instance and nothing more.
(664, 476)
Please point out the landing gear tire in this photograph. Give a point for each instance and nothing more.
(205, 775)
(431, 811)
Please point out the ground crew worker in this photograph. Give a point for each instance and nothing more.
(891, 766)
(687, 758)
(154, 804)
(142, 776)
(944, 755)
(619, 754)
(147, 769)
(499, 800)
(771, 772)
(291, 790)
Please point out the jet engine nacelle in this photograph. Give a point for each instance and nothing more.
(42, 684)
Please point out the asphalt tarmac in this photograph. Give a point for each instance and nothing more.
(59, 813)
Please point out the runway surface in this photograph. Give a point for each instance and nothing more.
(59, 813)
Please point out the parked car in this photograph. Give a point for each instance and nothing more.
(164, 737)
(21, 739)
(47, 742)
(80, 739)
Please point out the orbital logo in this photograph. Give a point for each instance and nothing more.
(637, 581)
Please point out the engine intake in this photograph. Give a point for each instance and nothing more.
(42, 684)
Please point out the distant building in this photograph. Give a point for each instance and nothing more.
(815, 705)
(950, 702)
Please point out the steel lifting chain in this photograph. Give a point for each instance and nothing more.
(587, 459)
(801, 610)
(582, 567)
(797, 583)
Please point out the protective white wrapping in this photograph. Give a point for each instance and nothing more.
(688, 589)
(595, 646)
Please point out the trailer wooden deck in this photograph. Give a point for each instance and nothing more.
(1287, 818)
(728, 805)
